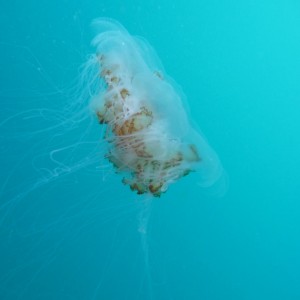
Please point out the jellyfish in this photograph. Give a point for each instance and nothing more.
(59, 164)
(151, 140)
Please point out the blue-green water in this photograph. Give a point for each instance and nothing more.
(69, 228)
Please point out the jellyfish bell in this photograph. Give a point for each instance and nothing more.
(150, 139)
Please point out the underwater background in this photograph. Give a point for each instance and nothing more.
(69, 227)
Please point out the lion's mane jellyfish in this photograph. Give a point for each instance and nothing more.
(150, 139)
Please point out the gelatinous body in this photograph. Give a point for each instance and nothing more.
(150, 139)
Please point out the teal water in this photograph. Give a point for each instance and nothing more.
(69, 228)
